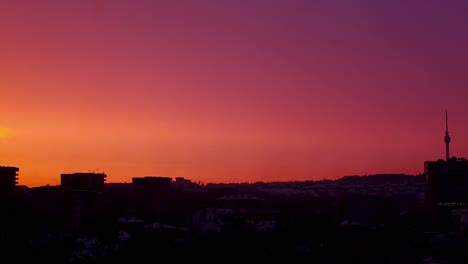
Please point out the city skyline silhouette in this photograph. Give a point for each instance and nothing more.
(229, 91)
(263, 130)
(448, 157)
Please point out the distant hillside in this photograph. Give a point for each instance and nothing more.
(382, 178)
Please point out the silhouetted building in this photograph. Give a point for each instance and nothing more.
(84, 207)
(47, 204)
(85, 181)
(446, 185)
(152, 197)
(119, 200)
(8, 179)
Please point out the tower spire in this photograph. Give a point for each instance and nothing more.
(447, 137)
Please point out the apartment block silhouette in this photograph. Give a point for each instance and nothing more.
(84, 206)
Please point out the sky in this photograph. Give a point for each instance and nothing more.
(230, 91)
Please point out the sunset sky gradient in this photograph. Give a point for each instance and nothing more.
(230, 91)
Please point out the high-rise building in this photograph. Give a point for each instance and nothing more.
(446, 183)
(8, 179)
(84, 206)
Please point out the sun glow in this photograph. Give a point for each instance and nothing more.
(4, 132)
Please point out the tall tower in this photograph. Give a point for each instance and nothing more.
(446, 138)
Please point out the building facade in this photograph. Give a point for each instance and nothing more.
(446, 183)
(8, 179)
(83, 196)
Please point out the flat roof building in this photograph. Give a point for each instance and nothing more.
(83, 201)
(83, 181)
(8, 179)
(446, 183)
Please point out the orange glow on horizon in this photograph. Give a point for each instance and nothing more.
(231, 92)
